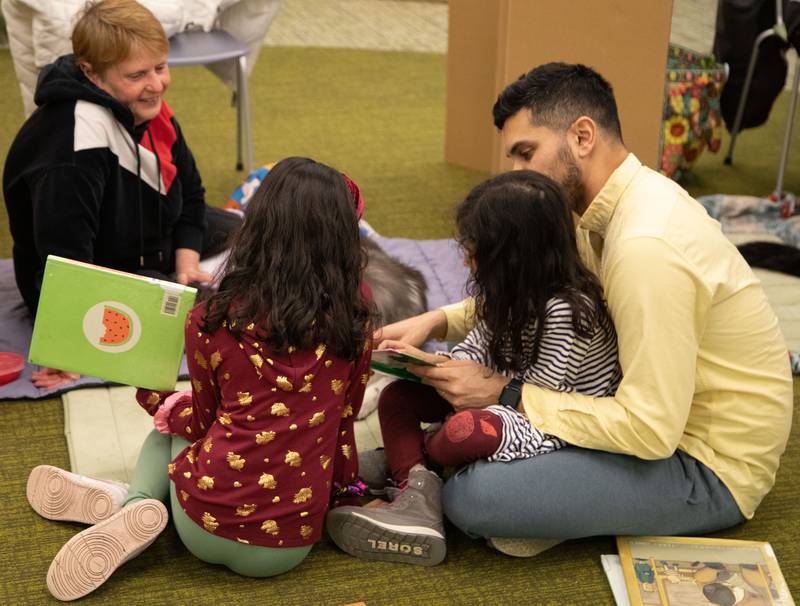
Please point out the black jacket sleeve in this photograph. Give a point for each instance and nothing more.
(189, 230)
(66, 200)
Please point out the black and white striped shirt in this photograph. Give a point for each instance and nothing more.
(566, 362)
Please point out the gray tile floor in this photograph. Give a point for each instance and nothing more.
(368, 24)
(693, 23)
(422, 26)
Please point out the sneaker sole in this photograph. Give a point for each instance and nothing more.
(522, 548)
(55, 495)
(370, 539)
(87, 560)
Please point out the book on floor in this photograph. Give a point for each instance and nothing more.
(616, 579)
(110, 324)
(396, 362)
(697, 571)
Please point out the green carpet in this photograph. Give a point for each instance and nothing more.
(379, 117)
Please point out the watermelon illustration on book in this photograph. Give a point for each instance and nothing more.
(118, 326)
(110, 324)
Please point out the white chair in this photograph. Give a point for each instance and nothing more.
(197, 47)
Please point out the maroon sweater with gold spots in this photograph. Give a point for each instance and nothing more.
(271, 435)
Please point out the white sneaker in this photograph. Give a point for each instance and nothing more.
(57, 494)
(522, 548)
(87, 560)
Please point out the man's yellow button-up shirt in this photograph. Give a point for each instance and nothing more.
(705, 367)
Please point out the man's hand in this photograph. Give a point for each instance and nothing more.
(463, 383)
(414, 331)
(187, 267)
(50, 378)
(412, 351)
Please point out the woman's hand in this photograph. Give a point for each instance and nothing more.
(463, 383)
(187, 267)
(414, 331)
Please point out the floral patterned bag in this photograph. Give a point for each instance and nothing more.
(692, 120)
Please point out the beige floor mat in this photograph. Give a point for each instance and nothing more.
(105, 428)
(783, 291)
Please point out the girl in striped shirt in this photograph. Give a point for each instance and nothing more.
(540, 318)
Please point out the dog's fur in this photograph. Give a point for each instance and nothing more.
(399, 292)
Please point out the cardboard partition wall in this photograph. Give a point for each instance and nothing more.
(493, 42)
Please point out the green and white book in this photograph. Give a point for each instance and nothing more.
(395, 362)
(110, 324)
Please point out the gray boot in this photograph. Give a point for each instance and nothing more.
(410, 529)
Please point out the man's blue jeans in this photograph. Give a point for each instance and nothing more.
(575, 492)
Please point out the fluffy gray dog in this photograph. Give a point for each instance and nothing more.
(399, 291)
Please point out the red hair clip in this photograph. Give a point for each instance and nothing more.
(358, 199)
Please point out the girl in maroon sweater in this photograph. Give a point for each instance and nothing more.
(259, 449)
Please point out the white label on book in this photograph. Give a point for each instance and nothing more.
(171, 303)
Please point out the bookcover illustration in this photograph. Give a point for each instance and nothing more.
(686, 571)
(110, 324)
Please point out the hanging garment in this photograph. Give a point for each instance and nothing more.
(739, 22)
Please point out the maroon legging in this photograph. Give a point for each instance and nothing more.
(465, 436)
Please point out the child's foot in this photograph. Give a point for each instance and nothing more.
(87, 560)
(409, 529)
(57, 494)
(372, 393)
(521, 548)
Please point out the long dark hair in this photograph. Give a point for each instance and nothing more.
(296, 265)
(519, 236)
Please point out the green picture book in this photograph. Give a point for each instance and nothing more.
(395, 362)
(110, 324)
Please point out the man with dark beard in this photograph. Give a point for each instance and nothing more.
(690, 443)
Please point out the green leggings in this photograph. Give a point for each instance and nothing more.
(150, 481)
